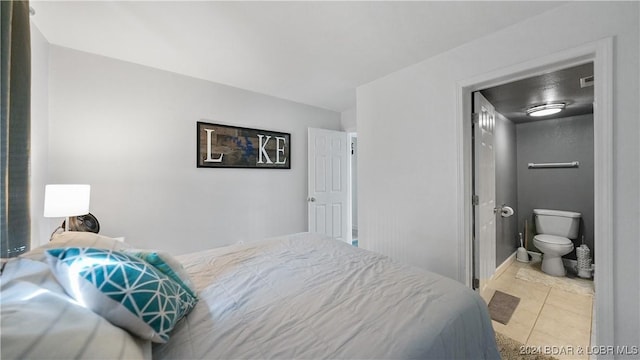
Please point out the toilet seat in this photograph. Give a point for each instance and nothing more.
(553, 239)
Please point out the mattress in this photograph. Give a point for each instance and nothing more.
(306, 296)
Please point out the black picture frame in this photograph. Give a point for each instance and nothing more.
(226, 146)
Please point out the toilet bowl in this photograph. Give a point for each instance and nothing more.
(553, 247)
(555, 230)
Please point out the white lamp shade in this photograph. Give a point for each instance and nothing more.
(62, 200)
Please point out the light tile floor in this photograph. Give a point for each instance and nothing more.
(546, 316)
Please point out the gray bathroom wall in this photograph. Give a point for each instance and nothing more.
(506, 187)
(558, 140)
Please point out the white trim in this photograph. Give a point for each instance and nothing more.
(601, 54)
(350, 228)
(505, 264)
(603, 189)
(499, 270)
(464, 231)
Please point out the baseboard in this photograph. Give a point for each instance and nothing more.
(505, 264)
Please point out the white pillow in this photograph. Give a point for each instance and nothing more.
(76, 239)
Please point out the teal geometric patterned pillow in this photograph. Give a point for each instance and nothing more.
(168, 265)
(121, 288)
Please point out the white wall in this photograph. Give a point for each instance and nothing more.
(130, 132)
(348, 120)
(40, 227)
(407, 137)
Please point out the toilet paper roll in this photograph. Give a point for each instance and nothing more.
(506, 211)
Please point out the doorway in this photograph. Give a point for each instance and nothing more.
(328, 184)
(332, 184)
(601, 54)
(507, 140)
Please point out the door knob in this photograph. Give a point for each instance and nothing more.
(311, 199)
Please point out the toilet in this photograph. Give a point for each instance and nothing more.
(555, 228)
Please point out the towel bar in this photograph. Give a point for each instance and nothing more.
(573, 164)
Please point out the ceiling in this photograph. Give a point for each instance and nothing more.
(315, 53)
(513, 99)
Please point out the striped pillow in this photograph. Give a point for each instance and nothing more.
(40, 321)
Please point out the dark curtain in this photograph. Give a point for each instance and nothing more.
(15, 77)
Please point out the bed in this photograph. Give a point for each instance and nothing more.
(306, 296)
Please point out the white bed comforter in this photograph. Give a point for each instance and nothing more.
(308, 297)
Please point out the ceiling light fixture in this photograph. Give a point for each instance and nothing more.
(546, 109)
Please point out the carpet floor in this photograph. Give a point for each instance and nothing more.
(513, 350)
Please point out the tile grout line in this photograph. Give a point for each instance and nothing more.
(548, 288)
(538, 316)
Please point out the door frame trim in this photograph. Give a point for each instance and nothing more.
(601, 54)
(350, 136)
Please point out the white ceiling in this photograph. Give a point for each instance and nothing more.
(314, 53)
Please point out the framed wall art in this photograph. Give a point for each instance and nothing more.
(224, 146)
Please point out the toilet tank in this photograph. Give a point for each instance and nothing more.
(557, 222)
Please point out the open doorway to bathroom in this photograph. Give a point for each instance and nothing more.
(600, 53)
(537, 162)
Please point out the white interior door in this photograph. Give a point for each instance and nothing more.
(484, 190)
(328, 184)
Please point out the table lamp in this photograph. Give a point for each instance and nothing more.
(66, 200)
